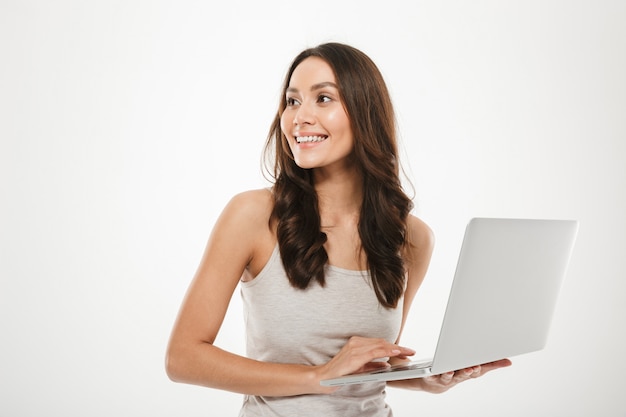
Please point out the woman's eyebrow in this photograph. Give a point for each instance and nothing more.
(315, 87)
(325, 84)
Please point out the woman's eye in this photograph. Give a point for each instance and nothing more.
(291, 101)
(324, 99)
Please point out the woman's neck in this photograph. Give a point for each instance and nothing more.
(340, 196)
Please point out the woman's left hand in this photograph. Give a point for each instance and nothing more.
(441, 383)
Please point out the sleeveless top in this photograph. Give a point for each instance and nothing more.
(288, 325)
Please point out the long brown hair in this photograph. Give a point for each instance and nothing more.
(385, 206)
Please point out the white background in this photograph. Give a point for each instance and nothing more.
(126, 126)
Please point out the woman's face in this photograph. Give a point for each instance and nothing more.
(315, 121)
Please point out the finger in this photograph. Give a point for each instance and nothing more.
(390, 350)
(364, 350)
(360, 351)
(462, 375)
(487, 367)
(447, 377)
(403, 352)
(378, 347)
(374, 366)
(479, 370)
(472, 372)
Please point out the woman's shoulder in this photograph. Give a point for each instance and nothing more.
(250, 210)
(244, 224)
(258, 198)
(417, 254)
(420, 238)
(418, 231)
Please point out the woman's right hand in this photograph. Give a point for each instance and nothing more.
(360, 354)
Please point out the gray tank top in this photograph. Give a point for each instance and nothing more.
(288, 325)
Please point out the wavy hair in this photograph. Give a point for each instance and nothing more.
(385, 206)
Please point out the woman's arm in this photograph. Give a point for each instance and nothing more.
(419, 251)
(191, 355)
(238, 235)
(417, 254)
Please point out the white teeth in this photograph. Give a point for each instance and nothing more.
(301, 139)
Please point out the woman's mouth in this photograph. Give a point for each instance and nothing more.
(310, 139)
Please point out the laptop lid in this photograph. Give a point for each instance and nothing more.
(505, 289)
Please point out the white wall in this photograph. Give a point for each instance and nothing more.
(125, 127)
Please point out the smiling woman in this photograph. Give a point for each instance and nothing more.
(329, 259)
(315, 122)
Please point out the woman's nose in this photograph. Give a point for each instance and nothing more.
(304, 115)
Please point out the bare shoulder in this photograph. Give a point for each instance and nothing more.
(245, 217)
(420, 244)
(418, 251)
(420, 236)
(246, 224)
(256, 203)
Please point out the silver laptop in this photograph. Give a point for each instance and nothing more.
(502, 298)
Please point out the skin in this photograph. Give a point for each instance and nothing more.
(241, 243)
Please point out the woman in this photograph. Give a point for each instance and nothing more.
(328, 260)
